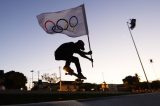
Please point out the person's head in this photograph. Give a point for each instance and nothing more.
(80, 44)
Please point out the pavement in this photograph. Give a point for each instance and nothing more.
(148, 99)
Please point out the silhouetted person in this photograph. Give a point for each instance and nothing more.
(65, 52)
(133, 23)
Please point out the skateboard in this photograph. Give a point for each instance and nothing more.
(78, 80)
(71, 72)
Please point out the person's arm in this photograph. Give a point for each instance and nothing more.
(87, 53)
(83, 54)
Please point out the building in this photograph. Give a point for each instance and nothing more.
(64, 86)
(68, 86)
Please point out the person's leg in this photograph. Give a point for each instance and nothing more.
(76, 61)
(68, 62)
(67, 66)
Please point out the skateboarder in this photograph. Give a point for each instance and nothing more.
(65, 52)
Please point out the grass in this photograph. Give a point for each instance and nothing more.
(7, 98)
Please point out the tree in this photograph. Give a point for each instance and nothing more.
(14, 80)
(143, 85)
(1, 77)
(155, 84)
(131, 82)
(2, 87)
(51, 78)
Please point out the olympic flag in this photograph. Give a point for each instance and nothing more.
(71, 22)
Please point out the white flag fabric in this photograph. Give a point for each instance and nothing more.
(71, 22)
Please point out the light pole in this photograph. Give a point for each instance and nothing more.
(38, 74)
(60, 83)
(133, 21)
(32, 77)
(151, 62)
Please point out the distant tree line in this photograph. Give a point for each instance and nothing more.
(13, 80)
(132, 83)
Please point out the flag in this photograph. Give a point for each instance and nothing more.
(133, 23)
(71, 22)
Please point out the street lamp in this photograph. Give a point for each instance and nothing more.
(38, 74)
(32, 77)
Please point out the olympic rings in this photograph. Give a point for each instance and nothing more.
(73, 21)
(48, 22)
(60, 25)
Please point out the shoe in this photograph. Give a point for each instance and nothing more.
(68, 69)
(81, 76)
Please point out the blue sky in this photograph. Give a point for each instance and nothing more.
(25, 46)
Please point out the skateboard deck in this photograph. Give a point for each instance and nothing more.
(78, 80)
(71, 72)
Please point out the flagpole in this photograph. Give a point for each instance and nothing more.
(89, 47)
(86, 26)
(138, 56)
